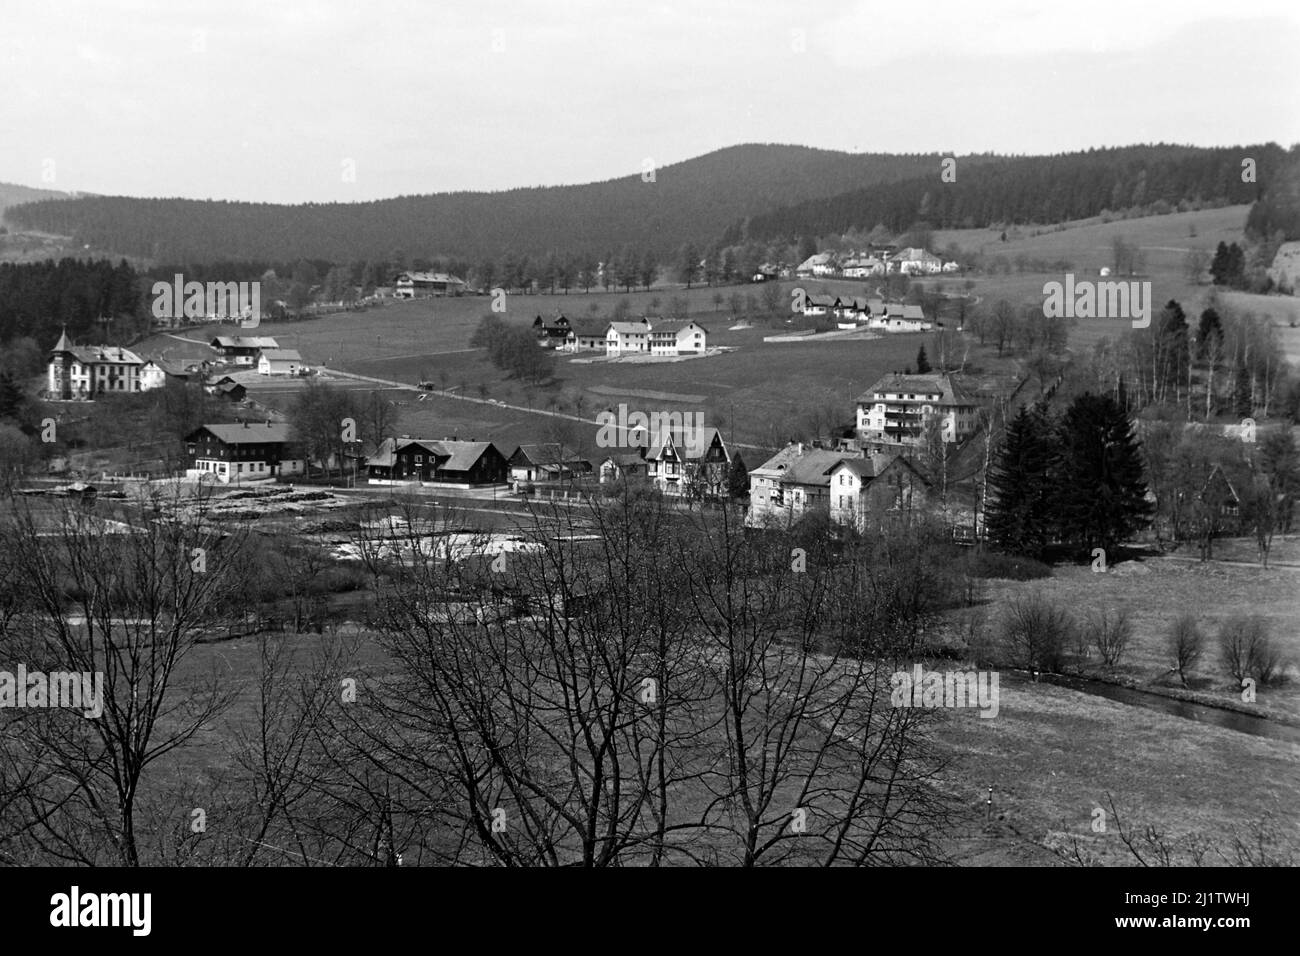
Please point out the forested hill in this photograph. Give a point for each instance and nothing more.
(12, 195)
(692, 200)
(1034, 189)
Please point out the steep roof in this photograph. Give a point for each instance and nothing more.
(96, 354)
(281, 355)
(544, 453)
(629, 327)
(701, 440)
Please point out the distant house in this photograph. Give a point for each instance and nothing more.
(821, 264)
(818, 305)
(241, 452)
(83, 371)
(897, 408)
(765, 273)
(626, 338)
(914, 261)
(546, 461)
(409, 285)
(688, 461)
(625, 466)
(587, 337)
(553, 333)
(420, 460)
(279, 362)
(863, 267)
(230, 391)
(850, 488)
(242, 349)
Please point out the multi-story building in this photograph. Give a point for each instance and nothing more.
(84, 371)
(897, 409)
(241, 452)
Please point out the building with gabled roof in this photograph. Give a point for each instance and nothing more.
(853, 489)
(84, 371)
(409, 460)
(688, 460)
(546, 461)
(243, 451)
(408, 285)
(279, 362)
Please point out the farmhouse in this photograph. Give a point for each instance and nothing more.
(408, 285)
(242, 349)
(863, 267)
(765, 273)
(279, 362)
(898, 407)
(821, 264)
(83, 371)
(625, 338)
(914, 261)
(409, 460)
(241, 452)
(853, 489)
(547, 461)
(586, 337)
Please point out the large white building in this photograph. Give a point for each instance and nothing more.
(84, 371)
(897, 409)
(632, 338)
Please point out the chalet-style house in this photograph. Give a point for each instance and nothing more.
(546, 461)
(587, 336)
(241, 452)
(691, 460)
(227, 388)
(425, 460)
(855, 490)
(897, 409)
(84, 371)
(279, 362)
(553, 333)
(410, 285)
(242, 349)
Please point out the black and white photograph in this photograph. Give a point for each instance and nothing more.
(501, 436)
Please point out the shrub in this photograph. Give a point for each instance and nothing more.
(1247, 650)
(1036, 632)
(1110, 632)
(1186, 643)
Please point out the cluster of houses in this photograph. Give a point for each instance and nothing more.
(80, 372)
(640, 337)
(258, 351)
(878, 261)
(856, 311)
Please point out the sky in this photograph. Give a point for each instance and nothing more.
(288, 101)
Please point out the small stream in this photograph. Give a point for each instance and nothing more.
(1219, 717)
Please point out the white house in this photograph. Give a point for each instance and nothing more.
(627, 338)
(83, 371)
(898, 407)
(915, 261)
(279, 362)
(822, 264)
(862, 268)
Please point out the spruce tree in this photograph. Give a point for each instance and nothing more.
(922, 362)
(738, 479)
(1100, 491)
(1019, 517)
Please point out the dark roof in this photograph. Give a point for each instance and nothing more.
(246, 433)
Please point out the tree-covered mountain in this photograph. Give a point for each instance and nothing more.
(1042, 189)
(13, 195)
(659, 209)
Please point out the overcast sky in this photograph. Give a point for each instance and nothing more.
(288, 101)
